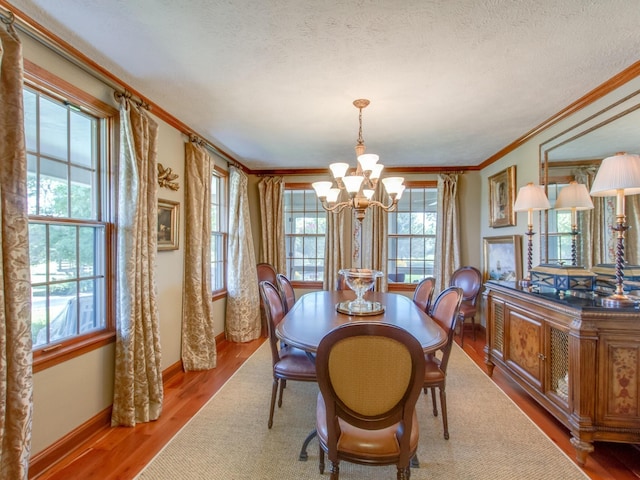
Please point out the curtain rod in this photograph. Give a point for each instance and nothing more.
(8, 18)
(43, 36)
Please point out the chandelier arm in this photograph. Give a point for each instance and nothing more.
(387, 208)
(337, 208)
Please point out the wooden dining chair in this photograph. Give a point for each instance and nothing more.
(423, 294)
(445, 313)
(266, 272)
(370, 375)
(287, 292)
(469, 279)
(288, 363)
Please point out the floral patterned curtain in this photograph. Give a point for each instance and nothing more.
(632, 242)
(16, 380)
(447, 231)
(591, 223)
(198, 336)
(334, 250)
(374, 238)
(272, 215)
(138, 391)
(243, 303)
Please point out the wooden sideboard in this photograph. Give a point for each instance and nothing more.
(578, 360)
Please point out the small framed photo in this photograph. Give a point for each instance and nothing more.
(168, 224)
(502, 194)
(503, 258)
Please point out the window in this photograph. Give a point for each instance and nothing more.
(218, 231)
(559, 234)
(305, 227)
(412, 234)
(69, 234)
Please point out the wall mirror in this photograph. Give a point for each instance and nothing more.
(575, 154)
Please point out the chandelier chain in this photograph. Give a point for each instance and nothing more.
(360, 139)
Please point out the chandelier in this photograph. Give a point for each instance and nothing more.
(360, 184)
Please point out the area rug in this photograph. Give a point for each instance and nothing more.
(228, 439)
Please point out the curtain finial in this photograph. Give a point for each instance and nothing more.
(7, 18)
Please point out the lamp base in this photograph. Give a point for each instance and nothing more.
(617, 300)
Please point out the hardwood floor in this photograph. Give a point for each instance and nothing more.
(121, 453)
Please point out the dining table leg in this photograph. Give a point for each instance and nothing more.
(303, 451)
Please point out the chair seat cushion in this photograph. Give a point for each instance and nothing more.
(467, 310)
(295, 364)
(362, 443)
(432, 371)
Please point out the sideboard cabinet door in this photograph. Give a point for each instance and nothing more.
(620, 359)
(523, 349)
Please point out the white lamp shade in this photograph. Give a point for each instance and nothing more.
(531, 197)
(619, 172)
(321, 188)
(332, 196)
(392, 184)
(376, 170)
(400, 192)
(367, 161)
(575, 195)
(352, 183)
(368, 193)
(339, 170)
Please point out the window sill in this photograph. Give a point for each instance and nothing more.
(307, 285)
(218, 294)
(402, 287)
(61, 352)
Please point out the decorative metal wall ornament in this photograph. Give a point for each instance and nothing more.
(166, 178)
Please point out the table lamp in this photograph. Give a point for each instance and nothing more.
(530, 197)
(574, 197)
(618, 176)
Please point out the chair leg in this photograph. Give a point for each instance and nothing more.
(404, 473)
(321, 459)
(461, 321)
(433, 400)
(414, 462)
(443, 406)
(473, 324)
(274, 391)
(283, 383)
(335, 471)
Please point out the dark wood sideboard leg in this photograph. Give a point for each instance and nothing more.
(490, 366)
(583, 449)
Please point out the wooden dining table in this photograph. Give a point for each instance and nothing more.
(315, 314)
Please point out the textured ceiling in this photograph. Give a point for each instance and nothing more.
(451, 82)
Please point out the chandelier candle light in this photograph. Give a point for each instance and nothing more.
(574, 196)
(361, 183)
(530, 197)
(618, 176)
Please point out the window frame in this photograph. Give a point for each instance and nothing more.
(223, 232)
(48, 84)
(407, 286)
(316, 284)
(558, 182)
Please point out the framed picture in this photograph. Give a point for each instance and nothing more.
(503, 258)
(502, 195)
(168, 224)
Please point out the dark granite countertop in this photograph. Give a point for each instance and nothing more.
(581, 300)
